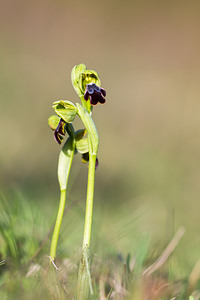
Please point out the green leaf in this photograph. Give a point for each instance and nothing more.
(64, 162)
(53, 122)
(65, 109)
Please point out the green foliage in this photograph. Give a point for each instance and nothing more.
(19, 230)
(121, 273)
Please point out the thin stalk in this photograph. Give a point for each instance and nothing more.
(84, 278)
(56, 231)
(64, 167)
(89, 201)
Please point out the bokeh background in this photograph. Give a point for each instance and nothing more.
(147, 54)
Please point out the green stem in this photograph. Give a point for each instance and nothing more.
(84, 278)
(64, 167)
(86, 104)
(87, 120)
(93, 141)
(89, 201)
(55, 236)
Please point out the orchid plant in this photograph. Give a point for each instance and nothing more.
(86, 142)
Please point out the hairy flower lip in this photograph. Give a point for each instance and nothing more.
(95, 93)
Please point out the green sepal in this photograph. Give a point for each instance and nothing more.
(64, 162)
(81, 142)
(75, 77)
(53, 122)
(65, 109)
(82, 146)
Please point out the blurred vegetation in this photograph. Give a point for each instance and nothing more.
(147, 184)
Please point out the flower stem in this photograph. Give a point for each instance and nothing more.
(84, 278)
(89, 201)
(64, 167)
(55, 236)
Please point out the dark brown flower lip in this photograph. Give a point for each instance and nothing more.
(95, 93)
(60, 131)
(58, 138)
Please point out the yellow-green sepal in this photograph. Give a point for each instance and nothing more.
(65, 110)
(75, 78)
(81, 141)
(53, 122)
(82, 146)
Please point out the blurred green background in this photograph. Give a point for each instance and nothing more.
(147, 54)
